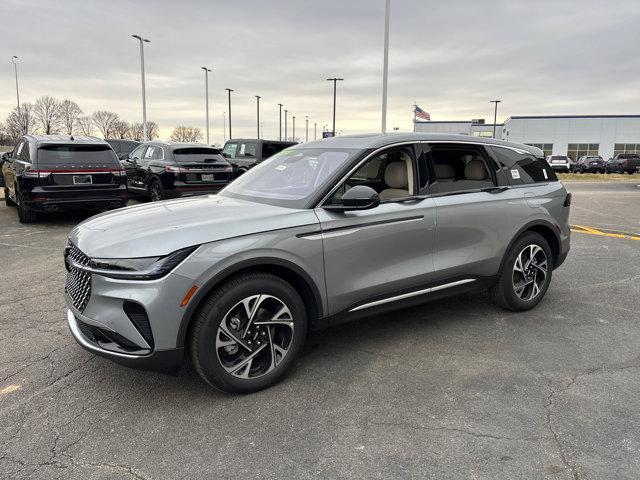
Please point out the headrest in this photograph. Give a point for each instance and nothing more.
(395, 175)
(444, 170)
(474, 170)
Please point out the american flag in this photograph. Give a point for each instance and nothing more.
(419, 113)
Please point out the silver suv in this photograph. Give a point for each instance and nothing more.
(320, 233)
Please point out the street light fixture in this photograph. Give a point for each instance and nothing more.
(206, 90)
(335, 81)
(258, 97)
(15, 69)
(229, 90)
(280, 122)
(495, 115)
(144, 95)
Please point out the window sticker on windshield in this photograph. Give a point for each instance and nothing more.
(281, 167)
(544, 171)
(515, 174)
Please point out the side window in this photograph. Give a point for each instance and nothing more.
(137, 153)
(523, 168)
(269, 149)
(391, 174)
(230, 150)
(18, 150)
(154, 153)
(248, 149)
(24, 152)
(460, 167)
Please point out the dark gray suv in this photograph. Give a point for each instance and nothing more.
(320, 233)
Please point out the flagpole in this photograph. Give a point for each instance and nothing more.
(415, 105)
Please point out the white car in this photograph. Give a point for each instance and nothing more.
(560, 163)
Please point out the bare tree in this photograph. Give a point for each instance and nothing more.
(183, 133)
(135, 132)
(48, 114)
(4, 135)
(85, 125)
(121, 129)
(105, 121)
(69, 114)
(21, 122)
(152, 130)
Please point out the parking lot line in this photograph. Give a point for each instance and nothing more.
(604, 233)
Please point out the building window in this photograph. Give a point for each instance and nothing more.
(546, 148)
(483, 134)
(577, 150)
(626, 148)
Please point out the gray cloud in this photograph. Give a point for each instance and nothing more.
(544, 57)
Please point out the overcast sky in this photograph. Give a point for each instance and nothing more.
(451, 57)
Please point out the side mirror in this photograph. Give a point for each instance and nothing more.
(124, 156)
(359, 197)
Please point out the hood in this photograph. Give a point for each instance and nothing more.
(159, 228)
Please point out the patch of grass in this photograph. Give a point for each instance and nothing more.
(598, 177)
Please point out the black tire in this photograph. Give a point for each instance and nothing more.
(239, 172)
(156, 190)
(7, 201)
(503, 292)
(631, 172)
(205, 332)
(26, 215)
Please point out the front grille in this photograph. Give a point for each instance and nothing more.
(78, 283)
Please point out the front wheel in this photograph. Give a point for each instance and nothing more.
(525, 275)
(248, 333)
(156, 192)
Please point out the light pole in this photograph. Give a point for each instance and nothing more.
(306, 128)
(229, 90)
(224, 126)
(314, 131)
(294, 129)
(206, 96)
(15, 69)
(495, 115)
(385, 68)
(280, 122)
(335, 81)
(144, 94)
(258, 97)
(285, 125)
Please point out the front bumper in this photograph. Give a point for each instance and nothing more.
(159, 360)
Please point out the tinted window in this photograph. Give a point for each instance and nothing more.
(458, 168)
(523, 168)
(248, 149)
(154, 153)
(196, 154)
(24, 152)
(76, 155)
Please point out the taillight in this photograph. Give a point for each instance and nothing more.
(228, 169)
(172, 169)
(31, 173)
(119, 172)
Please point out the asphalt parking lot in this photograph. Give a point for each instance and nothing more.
(453, 389)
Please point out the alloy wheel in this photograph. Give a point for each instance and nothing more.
(156, 194)
(529, 272)
(254, 336)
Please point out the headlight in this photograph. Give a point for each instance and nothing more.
(145, 268)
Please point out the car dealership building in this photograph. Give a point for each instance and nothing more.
(572, 135)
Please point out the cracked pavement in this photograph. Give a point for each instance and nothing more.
(453, 389)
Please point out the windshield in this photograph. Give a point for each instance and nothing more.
(76, 155)
(290, 177)
(196, 154)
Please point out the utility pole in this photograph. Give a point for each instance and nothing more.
(285, 125)
(144, 95)
(495, 115)
(224, 126)
(335, 81)
(15, 69)
(280, 122)
(294, 129)
(258, 97)
(229, 90)
(315, 137)
(385, 68)
(306, 128)
(206, 96)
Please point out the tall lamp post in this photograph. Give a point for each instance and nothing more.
(385, 68)
(258, 97)
(15, 69)
(280, 122)
(315, 137)
(335, 81)
(294, 129)
(285, 124)
(224, 126)
(206, 97)
(144, 94)
(495, 115)
(229, 90)
(306, 128)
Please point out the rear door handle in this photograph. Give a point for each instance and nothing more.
(495, 189)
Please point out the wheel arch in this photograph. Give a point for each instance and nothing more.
(288, 271)
(549, 232)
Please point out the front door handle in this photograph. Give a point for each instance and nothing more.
(495, 189)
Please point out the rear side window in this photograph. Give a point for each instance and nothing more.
(523, 168)
(459, 168)
(269, 149)
(230, 150)
(248, 149)
(196, 154)
(75, 155)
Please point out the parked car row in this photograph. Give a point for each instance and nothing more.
(621, 163)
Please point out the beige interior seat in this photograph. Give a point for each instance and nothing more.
(398, 176)
(445, 172)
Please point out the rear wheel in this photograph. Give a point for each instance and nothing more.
(248, 333)
(156, 192)
(7, 201)
(25, 214)
(525, 275)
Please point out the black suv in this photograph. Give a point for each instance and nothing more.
(589, 164)
(46, 173)
(162, 170)
(623, 162)
(246, 153)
